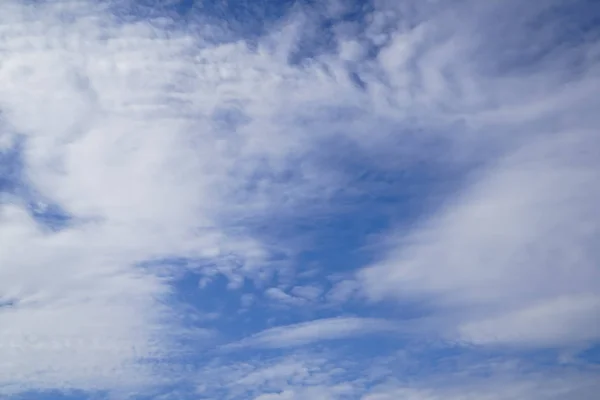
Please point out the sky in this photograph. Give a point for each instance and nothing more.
(299, 200)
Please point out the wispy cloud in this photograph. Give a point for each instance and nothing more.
(511, 258)
(318, 330)
(293, 376)
(514, 256)
(128, 139)
(153, 141)
(331, 375)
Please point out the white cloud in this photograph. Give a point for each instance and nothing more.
(512, 258)
(570, 319)
(342, 291)
(297, 296)
(330, 375)
(492, 381)
(312, 392)
(293, 376)
(318, 330)
(155, 142)
(308, 292)
(512, 390)
(160, 142)
(73, 326)
(132, 131)
(520, 246)
(281, 297)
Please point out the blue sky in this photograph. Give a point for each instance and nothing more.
(298, 200)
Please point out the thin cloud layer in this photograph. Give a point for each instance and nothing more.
(151, 142)
(138, 146)
(316, 331)
(515, 256)
(329, 375)
(512, 259)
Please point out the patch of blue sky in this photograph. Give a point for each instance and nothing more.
(14, 185)
(340, 234)
(10, 169)
(238, 19)
(335, 241)
(249, 20)
(590, 355)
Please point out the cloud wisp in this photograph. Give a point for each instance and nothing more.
(306, 333)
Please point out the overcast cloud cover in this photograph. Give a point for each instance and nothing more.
(281, 200)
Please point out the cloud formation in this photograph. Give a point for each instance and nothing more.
(136, 147)
(318, 330)
(512, 258)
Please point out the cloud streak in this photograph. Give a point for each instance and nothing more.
(314, 331)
